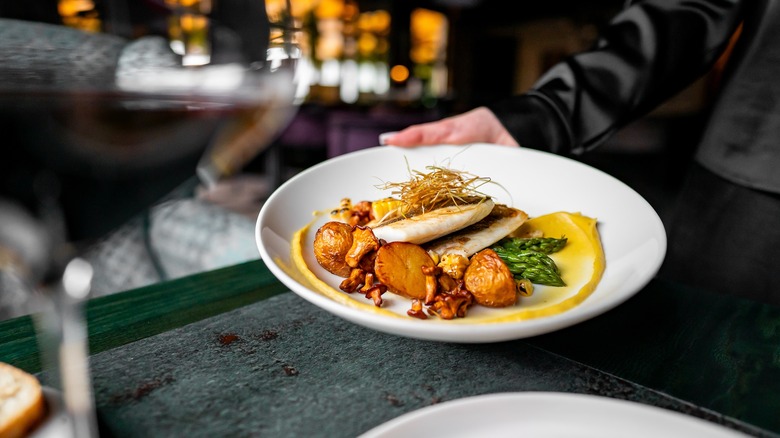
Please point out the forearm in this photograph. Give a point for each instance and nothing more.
(648, 53)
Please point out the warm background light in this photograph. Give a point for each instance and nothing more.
(399, 73)
(80, 14)
(345, 51)
(329, 9)
(429, 36)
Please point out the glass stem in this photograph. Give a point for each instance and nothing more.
(64, 344)
(74, 349)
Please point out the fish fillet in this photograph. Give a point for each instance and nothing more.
(434, 224)
(468, 241)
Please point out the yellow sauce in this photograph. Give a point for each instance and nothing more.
(581, 263)
(301, 272)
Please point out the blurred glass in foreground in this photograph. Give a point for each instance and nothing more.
(107, 106)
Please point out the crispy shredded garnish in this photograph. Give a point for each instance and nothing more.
(438, 187)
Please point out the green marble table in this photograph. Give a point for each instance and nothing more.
(233, 353)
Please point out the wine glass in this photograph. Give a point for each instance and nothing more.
(108, 105)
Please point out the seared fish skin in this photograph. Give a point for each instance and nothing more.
(466, 242)
(434, 224)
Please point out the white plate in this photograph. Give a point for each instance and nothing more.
(632, 234)
(546, 415)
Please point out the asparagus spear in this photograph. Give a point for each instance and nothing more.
(535, 266)
(547, 245)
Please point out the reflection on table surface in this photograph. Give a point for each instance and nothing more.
(236, 354)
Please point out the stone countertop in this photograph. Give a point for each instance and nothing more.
(282, 367)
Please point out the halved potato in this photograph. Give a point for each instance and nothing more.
(489, 280)
(399, 266)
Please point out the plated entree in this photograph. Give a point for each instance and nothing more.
(440, 242)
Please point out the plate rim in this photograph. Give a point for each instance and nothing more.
(602, 403)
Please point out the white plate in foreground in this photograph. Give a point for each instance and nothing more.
(546, 415)
(632, 234)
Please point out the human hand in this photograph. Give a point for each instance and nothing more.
(479, 125)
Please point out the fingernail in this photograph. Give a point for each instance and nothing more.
(384, 136)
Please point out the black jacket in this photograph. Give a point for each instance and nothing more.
(649, 52)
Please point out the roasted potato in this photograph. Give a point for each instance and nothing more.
(489, 280)
(331, 245)
(399, 266)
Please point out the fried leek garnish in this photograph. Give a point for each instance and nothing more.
(437, 187)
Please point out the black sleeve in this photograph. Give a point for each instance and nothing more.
(648, 53)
